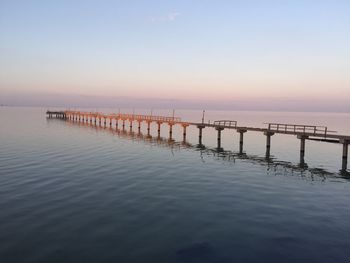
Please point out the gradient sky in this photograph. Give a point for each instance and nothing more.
(206, 50)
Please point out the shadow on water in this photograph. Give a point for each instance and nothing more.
(272, 164)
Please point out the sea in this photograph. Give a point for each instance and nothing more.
(76, 192)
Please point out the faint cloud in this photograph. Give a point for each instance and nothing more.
(167, 18)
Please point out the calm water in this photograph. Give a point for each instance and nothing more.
(77, 193)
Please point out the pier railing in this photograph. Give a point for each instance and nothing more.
(124, 116)
(226, 123)
(295, 128)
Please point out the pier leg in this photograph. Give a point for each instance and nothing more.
(104, 122)
(268, 143)
(302, 148)
(184, 132)
(200, 136)
(241, 137)
(159, 123)
(345, 157)
(116, 124)
(170, 131)
(139, 127)
(219, 137)
(148, 128)
(99, 121)
(110, 122)
(130, 125)
(123, 125)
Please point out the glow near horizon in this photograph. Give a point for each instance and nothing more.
(177, 49)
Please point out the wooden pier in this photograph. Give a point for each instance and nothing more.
(302, 132)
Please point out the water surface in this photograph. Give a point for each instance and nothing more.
(77, 193)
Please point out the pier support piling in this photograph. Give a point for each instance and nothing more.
(200, 127)
(219, 129)
(184, 132)
(302, 148)
(241, 137)
(148, 128)
(170, 131)
(159, 124)
(345, 155)
(268, 135)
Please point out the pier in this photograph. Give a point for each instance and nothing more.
(302, 132)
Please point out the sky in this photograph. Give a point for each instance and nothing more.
(217, 52)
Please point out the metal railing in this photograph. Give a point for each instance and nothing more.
(226, 123)
(136, 117)
(297, 128)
